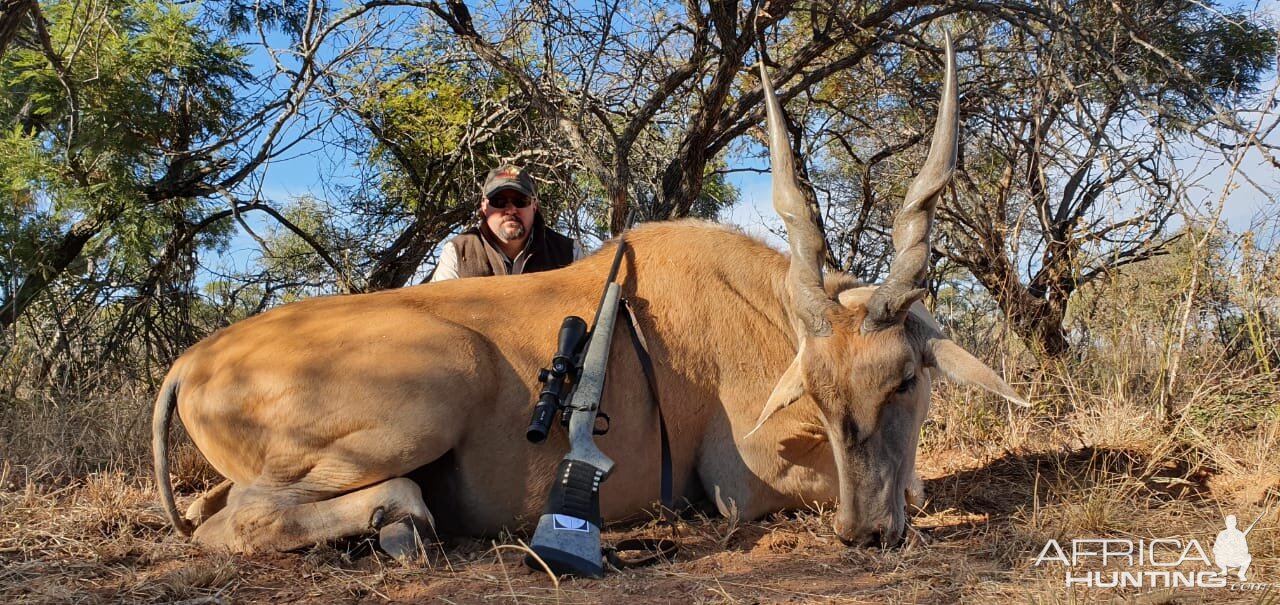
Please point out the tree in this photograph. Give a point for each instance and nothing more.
(1074, 114)
(136, 132)
(1087, 156)
(113, 127)
(430, 119)
(681, 71)
(123, 184)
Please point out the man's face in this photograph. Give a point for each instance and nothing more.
(504, 216)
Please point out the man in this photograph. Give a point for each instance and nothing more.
(1231, 550)
(512, 237)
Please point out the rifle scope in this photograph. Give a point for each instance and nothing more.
(572, 333)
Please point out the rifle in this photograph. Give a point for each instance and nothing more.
(568, 535)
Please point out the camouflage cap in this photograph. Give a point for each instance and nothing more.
(508, 177)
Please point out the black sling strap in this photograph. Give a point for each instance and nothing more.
(661, 549)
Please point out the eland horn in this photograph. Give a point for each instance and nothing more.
(804, 277)
(889, 303)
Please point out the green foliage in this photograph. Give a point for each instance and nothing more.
(422, 105)
(146, 82)
(288, 256)
(239, 16)
(135, 98)
(424, 102)
(1146, 298)
(1221, 52)
(24, 221)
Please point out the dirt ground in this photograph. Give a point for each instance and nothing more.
(104, 540)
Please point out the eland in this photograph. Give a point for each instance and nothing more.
(405, 410)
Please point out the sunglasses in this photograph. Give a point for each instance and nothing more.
(500, 203)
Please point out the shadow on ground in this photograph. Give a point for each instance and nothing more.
(1017, 481)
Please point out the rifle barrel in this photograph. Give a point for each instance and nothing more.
(1255, 522)
(613, 276)
(617, 258)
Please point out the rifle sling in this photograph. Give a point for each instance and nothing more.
(660, 549)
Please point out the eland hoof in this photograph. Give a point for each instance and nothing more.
(404, 540)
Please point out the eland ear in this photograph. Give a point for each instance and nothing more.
(961, 366)
(789, 388)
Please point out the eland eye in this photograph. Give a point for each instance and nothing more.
(906, 385)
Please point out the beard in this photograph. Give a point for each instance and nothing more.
(510, 230)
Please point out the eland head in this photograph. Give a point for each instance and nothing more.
(865, 356)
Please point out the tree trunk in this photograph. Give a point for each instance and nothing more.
(619, 201)
(13, 16)
(1035, 317)
(1038, 322)
(682, 182)
(48, 269)
(398, 263)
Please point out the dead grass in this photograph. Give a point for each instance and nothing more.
(64, 431)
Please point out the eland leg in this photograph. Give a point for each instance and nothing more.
(258, 519)
(209, 503)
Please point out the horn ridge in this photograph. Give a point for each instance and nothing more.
(804, 277)
(912, 225)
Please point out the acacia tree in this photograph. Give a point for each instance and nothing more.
(136, 133)
(1073, 116)
(603, 76)
(112, 119)
(1055, 91)
(1077, 176)
(616, 72)
(431, 119)
(636, 103)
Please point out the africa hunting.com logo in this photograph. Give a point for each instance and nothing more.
(1156, 563)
